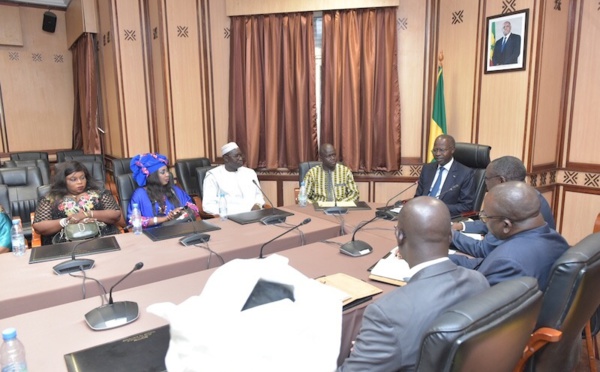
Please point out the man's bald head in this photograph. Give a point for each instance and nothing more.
(514, 206)
(423, 230)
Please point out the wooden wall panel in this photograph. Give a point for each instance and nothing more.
(116, 134)
(458, 27)
(504, 98)
(386, 190)
(412, 24)
(10, 32)
(584, 131)
(37, 85)
(81, 17)
(129, 38)
(182, 35)
(579, 213)
(219, 50)
(548, 93)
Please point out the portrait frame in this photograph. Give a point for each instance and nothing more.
(510, 55)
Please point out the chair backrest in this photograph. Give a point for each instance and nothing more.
(186, 173)
(200, 174)
(126, 185)
(304, 167)
(571, 297)
(43, 190)
(486, 332)
(476, 157)
(121, 166)
(4, 200)
(29, 155)
(22, 184)
(60, 155)
(42, 164)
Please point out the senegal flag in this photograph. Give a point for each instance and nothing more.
(492, 43)
(438, 116)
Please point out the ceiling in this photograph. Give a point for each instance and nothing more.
(49, 3)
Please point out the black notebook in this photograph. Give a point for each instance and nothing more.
(145, 351)
(64, 250)
(180, 229)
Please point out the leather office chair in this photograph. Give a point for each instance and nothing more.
(4, 200)
(304, 167)
(97, 171)
(85, 157)
(486, 332)
(29, 155)
(22, 184)
(126, 185)
(570, 299)
(200, 174)
(42, 164)
(476, 157)
(186, 174)
(60, 155)
(120, 166)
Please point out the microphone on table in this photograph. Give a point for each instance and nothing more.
(357, 248)
(282, 234)
(114, 314)
(73, 264)
(445, 192)
(273, 218)
(385, 212)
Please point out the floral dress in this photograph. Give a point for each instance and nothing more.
(91, 200)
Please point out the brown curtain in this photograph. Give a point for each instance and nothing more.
(360, 93)
(86, 89)
(272, 104)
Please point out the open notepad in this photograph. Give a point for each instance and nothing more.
(352, 291)
(390, 269)
(345, 204)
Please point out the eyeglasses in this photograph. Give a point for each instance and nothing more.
(484, 218)
(438, 150)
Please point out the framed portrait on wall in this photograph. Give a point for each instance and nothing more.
(506, 42)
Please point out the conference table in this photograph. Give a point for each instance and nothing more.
(29, 287)
(50, 333)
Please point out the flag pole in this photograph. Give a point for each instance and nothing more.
(437, 125)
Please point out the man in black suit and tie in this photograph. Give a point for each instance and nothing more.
(508, 48)
(447, 179)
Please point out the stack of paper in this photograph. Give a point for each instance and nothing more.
(351, 289)
(344, 204)
(390, 269)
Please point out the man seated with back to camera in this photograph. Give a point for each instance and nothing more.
(447, 179)
(501, 170)
(393, 326)
(234, 181)
(330, 181)
(528, 247)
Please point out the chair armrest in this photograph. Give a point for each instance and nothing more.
(538, 339)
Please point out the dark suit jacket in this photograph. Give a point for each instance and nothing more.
(510, 53)
(393, 326)
(459, 199)
(528, 253)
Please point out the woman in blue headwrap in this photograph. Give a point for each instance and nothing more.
(157, 197)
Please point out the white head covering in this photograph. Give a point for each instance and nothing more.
(228, 147)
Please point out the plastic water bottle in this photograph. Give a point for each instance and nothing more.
(12, 352)
(136, 219)
(18, 240)
(302, 195)
(222, 207)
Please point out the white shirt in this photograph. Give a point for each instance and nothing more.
(415, 269)
(444, 175)
(237, 187)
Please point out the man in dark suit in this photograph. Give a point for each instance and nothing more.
(501, 170)
(455, 186)
(508, 48)
(394, 325)
(528, 246)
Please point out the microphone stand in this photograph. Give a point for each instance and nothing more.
(282, 234)
(273, 218)
(357, 248)
(384, 212)
(114, 314)
(73, 264)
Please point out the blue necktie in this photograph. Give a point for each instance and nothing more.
(438, 182)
